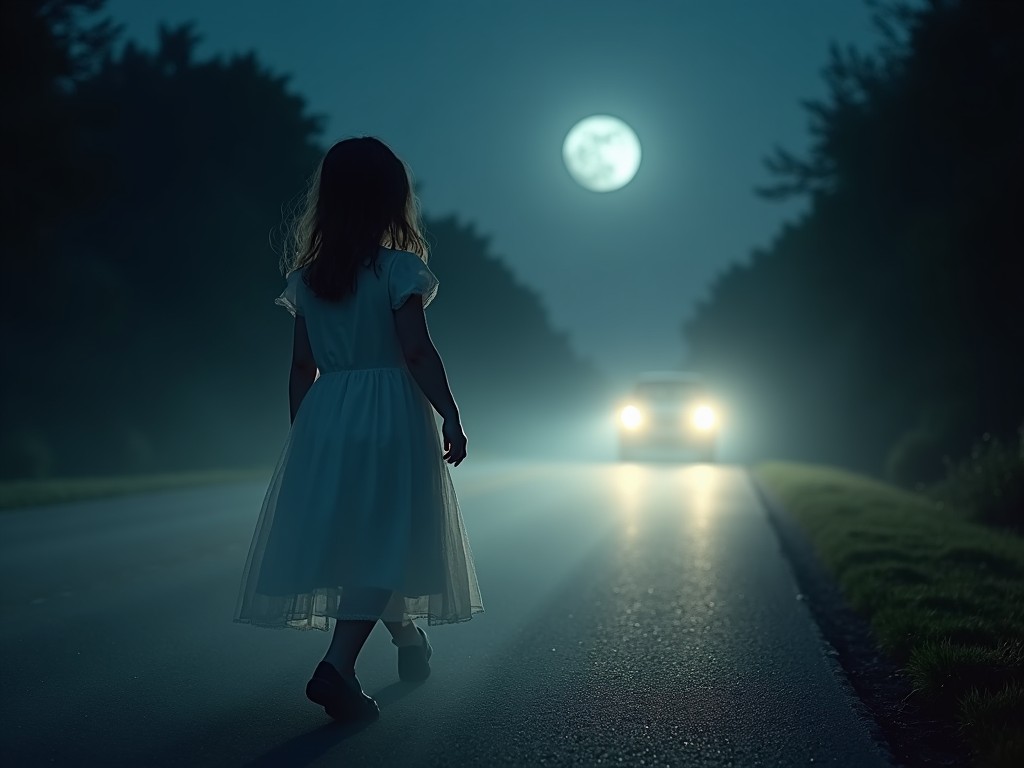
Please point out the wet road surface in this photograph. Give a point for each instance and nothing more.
(635, 615)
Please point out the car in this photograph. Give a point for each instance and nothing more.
(668, 411)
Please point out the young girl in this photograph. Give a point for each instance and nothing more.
(360, 521)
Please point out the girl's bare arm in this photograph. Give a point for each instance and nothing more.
(303, 371)
(425, 365)
(422, 358)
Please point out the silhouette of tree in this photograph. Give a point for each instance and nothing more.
(145, 332)
(885, 317)
(50, 46)
(202, 155)
(58, 42)
(151, 294)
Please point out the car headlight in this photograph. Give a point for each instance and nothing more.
(704, 418)
(631, 417)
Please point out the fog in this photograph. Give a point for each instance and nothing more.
(845, 288)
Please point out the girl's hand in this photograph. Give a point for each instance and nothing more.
(454, 441)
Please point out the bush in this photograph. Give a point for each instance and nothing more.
(918, 455)
(988, 485)
(915, 458)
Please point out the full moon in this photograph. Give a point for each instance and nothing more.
(602, 153)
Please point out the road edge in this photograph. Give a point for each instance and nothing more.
(909, 737)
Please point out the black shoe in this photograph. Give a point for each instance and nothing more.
(338, 697)
(413, 660)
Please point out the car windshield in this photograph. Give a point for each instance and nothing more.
(666, 390)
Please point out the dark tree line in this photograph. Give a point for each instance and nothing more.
(139, 326)
(884, 329)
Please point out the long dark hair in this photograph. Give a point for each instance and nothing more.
(359, 198)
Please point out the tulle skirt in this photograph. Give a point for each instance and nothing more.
(360, 497)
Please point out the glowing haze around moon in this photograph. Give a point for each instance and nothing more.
(602, 153)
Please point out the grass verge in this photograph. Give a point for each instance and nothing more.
(945, 596)
(16, 494)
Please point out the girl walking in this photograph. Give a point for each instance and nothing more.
(360, 521)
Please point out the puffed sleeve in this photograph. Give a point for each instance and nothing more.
(289, 298)
(410, 275)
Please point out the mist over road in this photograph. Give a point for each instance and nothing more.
(634, 612)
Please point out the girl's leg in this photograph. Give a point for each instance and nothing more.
(350, 634)
(403, 631)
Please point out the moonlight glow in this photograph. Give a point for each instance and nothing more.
(602, 153)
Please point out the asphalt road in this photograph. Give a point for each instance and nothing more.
(635, 615)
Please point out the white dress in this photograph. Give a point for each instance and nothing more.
(361, 495)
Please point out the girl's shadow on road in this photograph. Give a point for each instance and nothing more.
(310, 746)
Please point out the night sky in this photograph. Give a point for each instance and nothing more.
(478, 96)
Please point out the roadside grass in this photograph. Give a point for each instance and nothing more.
(17, 494)
(944, 595)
